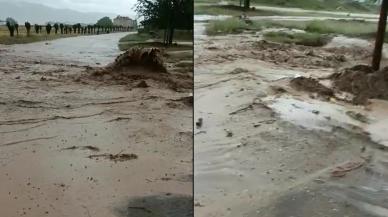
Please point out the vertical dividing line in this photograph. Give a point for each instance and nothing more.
(380, 36)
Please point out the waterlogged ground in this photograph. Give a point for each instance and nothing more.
(71, 147)
(265, 149)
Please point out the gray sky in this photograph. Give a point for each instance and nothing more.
(122, 7)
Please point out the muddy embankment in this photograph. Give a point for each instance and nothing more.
(281, 138)
(77, 142)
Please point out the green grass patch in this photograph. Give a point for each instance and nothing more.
(22, 39)
(182, 39)
(348, 28)
(138, 37)
(227, 26)
(307, 39)
(232, 10)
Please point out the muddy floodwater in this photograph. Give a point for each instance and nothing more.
(264, 148)
(71, 147)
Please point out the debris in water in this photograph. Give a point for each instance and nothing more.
(343, 169)
(187, 100)
(88, 147)
(115, 157)
(229, 133)
(199, 123)
(357, 116)
(238, 71)
(142, 84)
(315, 112)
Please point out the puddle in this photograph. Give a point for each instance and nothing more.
(92, 50)
(318, 115)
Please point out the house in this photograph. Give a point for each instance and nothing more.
(125, 21)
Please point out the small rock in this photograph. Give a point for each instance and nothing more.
(142, 84)
(199, 123)
(228, 133)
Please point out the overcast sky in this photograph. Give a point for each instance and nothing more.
(119, 7)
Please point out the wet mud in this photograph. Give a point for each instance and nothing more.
(363, 82)
(80, 147)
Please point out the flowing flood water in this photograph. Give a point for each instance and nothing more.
(71, 147)
(265, 149)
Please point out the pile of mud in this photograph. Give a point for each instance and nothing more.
(311, 85)
(140, 65)
(150, 58)
(363, 83)
(305, 56)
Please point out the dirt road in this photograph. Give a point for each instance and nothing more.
(88, 148)
(266, 149)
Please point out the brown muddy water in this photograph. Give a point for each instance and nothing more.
(265, 149)
(89, 148)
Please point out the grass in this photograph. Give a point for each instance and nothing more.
(139, 37)
(155, 39)
(23, 39)
(307, 39)
(232, 10)
(228, 26)
(350, 28)
(7, 40)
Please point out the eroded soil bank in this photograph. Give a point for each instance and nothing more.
(76, 144)
(266, 148)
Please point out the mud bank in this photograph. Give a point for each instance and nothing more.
(82, 147)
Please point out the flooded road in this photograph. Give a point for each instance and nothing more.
(71, 147)
(92, 50)
(266, 149)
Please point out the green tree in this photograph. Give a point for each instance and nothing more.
(48, 28)
(61, 26)
(247, 4)
(75, 28)
(105, 22)
(36, 27)
(28, 28)
(56, 27)
(11, 25)
(17, 29)
(166, 14)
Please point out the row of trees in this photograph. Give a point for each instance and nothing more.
(166, 14)
(104, 25)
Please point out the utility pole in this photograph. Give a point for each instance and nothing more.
(380, 36)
